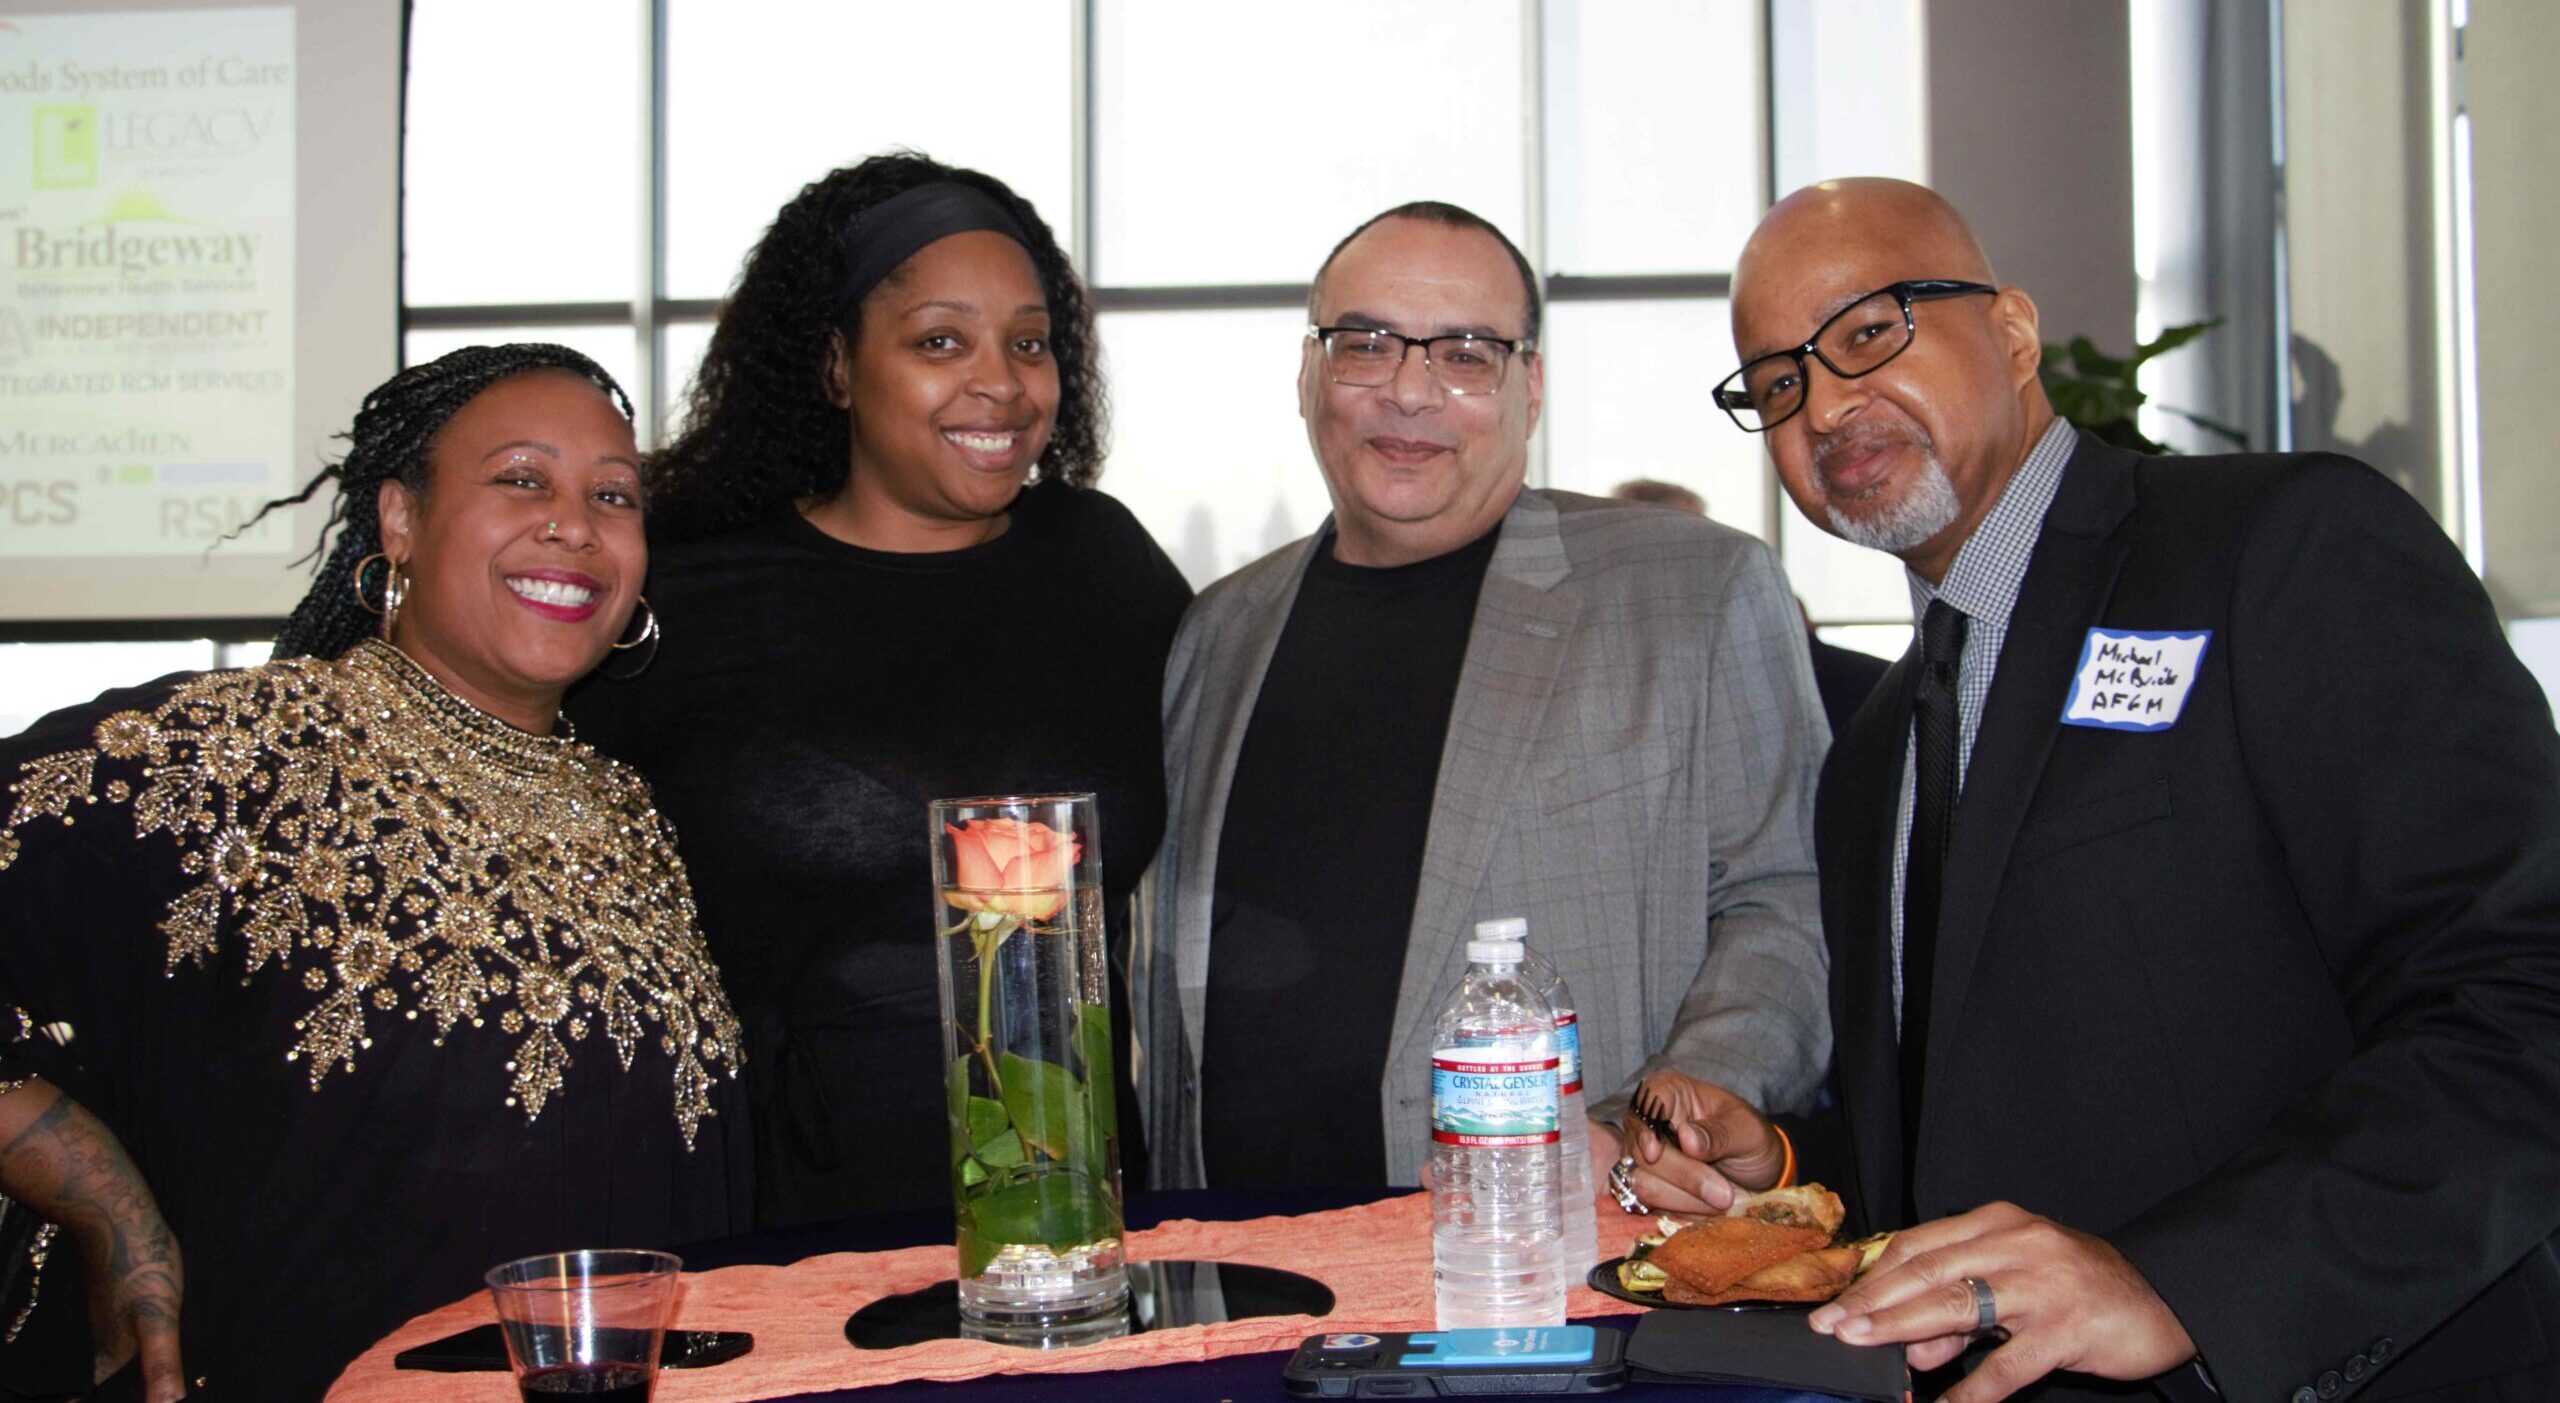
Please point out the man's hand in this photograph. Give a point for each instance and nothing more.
(2065, 1300)
(1726, 1147)
(64, 1163)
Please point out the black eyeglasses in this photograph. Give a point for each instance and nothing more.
(1367, 357)
(1857, 340)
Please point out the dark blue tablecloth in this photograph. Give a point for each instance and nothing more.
(1243, 1378)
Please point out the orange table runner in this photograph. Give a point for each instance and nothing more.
(1376, 1257)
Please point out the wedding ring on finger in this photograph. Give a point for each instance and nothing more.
(1986, 1311)
(1622, 1190)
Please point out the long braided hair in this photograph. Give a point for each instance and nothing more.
(391, 438)
(760, 431)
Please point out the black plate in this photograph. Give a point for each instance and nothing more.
(1604, 1279)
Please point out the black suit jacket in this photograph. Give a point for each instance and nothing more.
(2270, 999)
(1846, 678)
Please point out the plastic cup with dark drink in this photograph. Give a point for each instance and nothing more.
(585, 1324)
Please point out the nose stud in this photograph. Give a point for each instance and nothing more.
(551, 530)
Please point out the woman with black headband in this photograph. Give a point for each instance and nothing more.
(327, 985)
(885, 578)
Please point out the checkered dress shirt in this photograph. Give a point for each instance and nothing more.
(1983, 583)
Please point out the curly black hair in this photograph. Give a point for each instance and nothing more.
(760, 431)
(393, 434)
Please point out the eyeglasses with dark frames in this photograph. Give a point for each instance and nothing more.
(1857, 340)
(1367, 357)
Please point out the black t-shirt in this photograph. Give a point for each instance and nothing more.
(1317, 867)
(810, 697)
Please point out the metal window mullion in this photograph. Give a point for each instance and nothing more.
(1765, 25)
(1081, 139)
(645, 301)
(1533, 139)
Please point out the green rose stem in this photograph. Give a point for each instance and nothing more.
(987, 930)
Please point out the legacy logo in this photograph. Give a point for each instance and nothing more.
(66, 146)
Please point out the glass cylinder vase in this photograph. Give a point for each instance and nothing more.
(1027, 1039)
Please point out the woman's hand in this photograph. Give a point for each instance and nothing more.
(65, 1164)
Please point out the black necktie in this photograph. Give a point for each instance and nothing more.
(1933, 812)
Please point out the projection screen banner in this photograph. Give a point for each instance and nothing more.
(146, 352)
(165, 365)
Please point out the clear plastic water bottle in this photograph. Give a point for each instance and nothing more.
(1497, 1255)
(1581, 1219)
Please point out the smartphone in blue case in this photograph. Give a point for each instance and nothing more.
(1445, 1363)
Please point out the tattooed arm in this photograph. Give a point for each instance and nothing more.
(61, 1161)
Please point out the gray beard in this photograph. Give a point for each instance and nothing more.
(1928, 508)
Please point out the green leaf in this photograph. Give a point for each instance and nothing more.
(2080, 402)
(975, 1250)
(2090, 361)
(987, 1120)
(1093, 1040)
(2170, 339)
(1002, 1152)
(1094, 1046)
(1046, 1102)
(1057, 1211)
(972, 1173)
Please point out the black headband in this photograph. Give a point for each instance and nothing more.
(890, 232)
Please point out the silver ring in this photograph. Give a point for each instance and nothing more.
(1623, 1191)
(1986, 1311)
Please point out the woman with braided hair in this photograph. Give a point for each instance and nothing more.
(328, 984)
(886, 577)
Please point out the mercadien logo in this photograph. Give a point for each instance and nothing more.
(66, 146)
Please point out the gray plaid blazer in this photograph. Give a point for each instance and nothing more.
(1630, 764)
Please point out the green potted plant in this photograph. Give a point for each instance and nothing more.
(2098, 392)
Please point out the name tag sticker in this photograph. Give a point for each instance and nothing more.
(2133, 681)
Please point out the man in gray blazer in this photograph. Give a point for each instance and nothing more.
(1462, 699)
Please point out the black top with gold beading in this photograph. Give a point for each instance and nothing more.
(377, 990)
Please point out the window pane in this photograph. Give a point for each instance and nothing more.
(1237, 144)
(1886, 641)
(37, 678)
(1653, 134)
(764, 96)
(684, 342)
(612, 347)
(1851, 90)
(521, 167)
(1208, 449)
(1627, 398)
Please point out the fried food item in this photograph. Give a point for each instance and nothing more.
(1804, 1206)
(1807, 1276)
(1775, 1246)
(1709, 1256)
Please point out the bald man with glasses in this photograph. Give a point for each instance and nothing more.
(1464, 698)
(2193, 883)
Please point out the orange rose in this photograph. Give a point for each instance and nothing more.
(1011, 867)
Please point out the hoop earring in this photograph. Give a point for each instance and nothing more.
(356, 579)
(648, 631)
(395, 592)
(649, 635)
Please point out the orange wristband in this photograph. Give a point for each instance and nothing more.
(1786, 1175)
